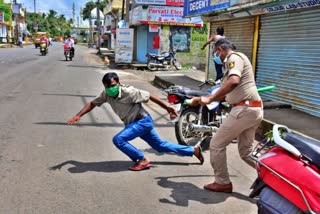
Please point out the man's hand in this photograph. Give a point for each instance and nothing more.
(173, 113)
(194, 101)
(204, 101)
(73, 120)
(203, 47)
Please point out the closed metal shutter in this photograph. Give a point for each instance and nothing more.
(288, 57)
(239, 32)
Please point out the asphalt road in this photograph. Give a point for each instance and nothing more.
(39, 93)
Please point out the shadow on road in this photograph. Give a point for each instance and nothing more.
(183, 192)
(85, 66)
(96, 124)
(71, 95)
(105, 166)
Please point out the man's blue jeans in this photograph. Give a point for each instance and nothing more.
(143, 128)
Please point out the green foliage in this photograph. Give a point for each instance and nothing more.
(54, 24)
(86, 12)
(186, 67)
(6, 8)
(269, 134)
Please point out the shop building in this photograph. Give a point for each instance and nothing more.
(281, 38)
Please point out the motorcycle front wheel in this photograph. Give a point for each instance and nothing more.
(183, 134)
(151, 65)
(177, 65)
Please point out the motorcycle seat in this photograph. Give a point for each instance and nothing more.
(187, 91)
(193, 93)
(308, 147)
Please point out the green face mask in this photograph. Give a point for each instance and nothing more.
(112, 91)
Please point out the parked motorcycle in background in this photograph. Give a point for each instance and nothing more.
(288, 170)
(67, 52)
(43, 48)
(165, 61)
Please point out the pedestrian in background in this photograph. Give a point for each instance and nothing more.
(20, 41)
(238, 89)
(214, 38)
(126, 102)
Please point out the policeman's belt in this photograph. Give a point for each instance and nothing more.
(250, 103)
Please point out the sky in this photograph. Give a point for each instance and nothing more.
(61, 6)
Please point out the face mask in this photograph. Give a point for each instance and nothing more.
(217, 59)
(112, 91)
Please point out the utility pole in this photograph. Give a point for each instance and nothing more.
(98, 24)
(35, 25)
(16, 21)
(74, 13)
(122, 12)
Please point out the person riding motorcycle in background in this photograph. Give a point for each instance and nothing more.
(44, 39)
(70, 42)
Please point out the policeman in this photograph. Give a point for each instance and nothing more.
(239, 90)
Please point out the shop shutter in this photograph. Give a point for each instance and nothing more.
(288, 57)
(239, 32)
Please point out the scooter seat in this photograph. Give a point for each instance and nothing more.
(308, 147)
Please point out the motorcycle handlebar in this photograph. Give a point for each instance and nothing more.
(209, 81)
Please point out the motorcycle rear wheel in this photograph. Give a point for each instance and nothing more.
(150, 66)
(177, 65)
(183, 135)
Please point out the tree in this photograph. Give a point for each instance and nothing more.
(86, 12)
(54, 24)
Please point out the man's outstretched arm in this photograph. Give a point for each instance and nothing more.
(87, 108)
(173, 113)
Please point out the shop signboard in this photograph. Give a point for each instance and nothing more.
(161, 2)
(124, 45)
(242, 2)
(153, 28)
(199, 7)
(163, 15)
(16, 8)
(285, 7)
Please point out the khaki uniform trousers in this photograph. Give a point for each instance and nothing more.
(241, 123)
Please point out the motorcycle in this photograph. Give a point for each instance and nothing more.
(196, 125)
(67, 52)
(288, 173)
(43, 48)
(164, 60)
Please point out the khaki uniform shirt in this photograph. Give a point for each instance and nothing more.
(127, 105)
(238, 64)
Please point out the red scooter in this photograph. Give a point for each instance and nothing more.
(288, 174)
